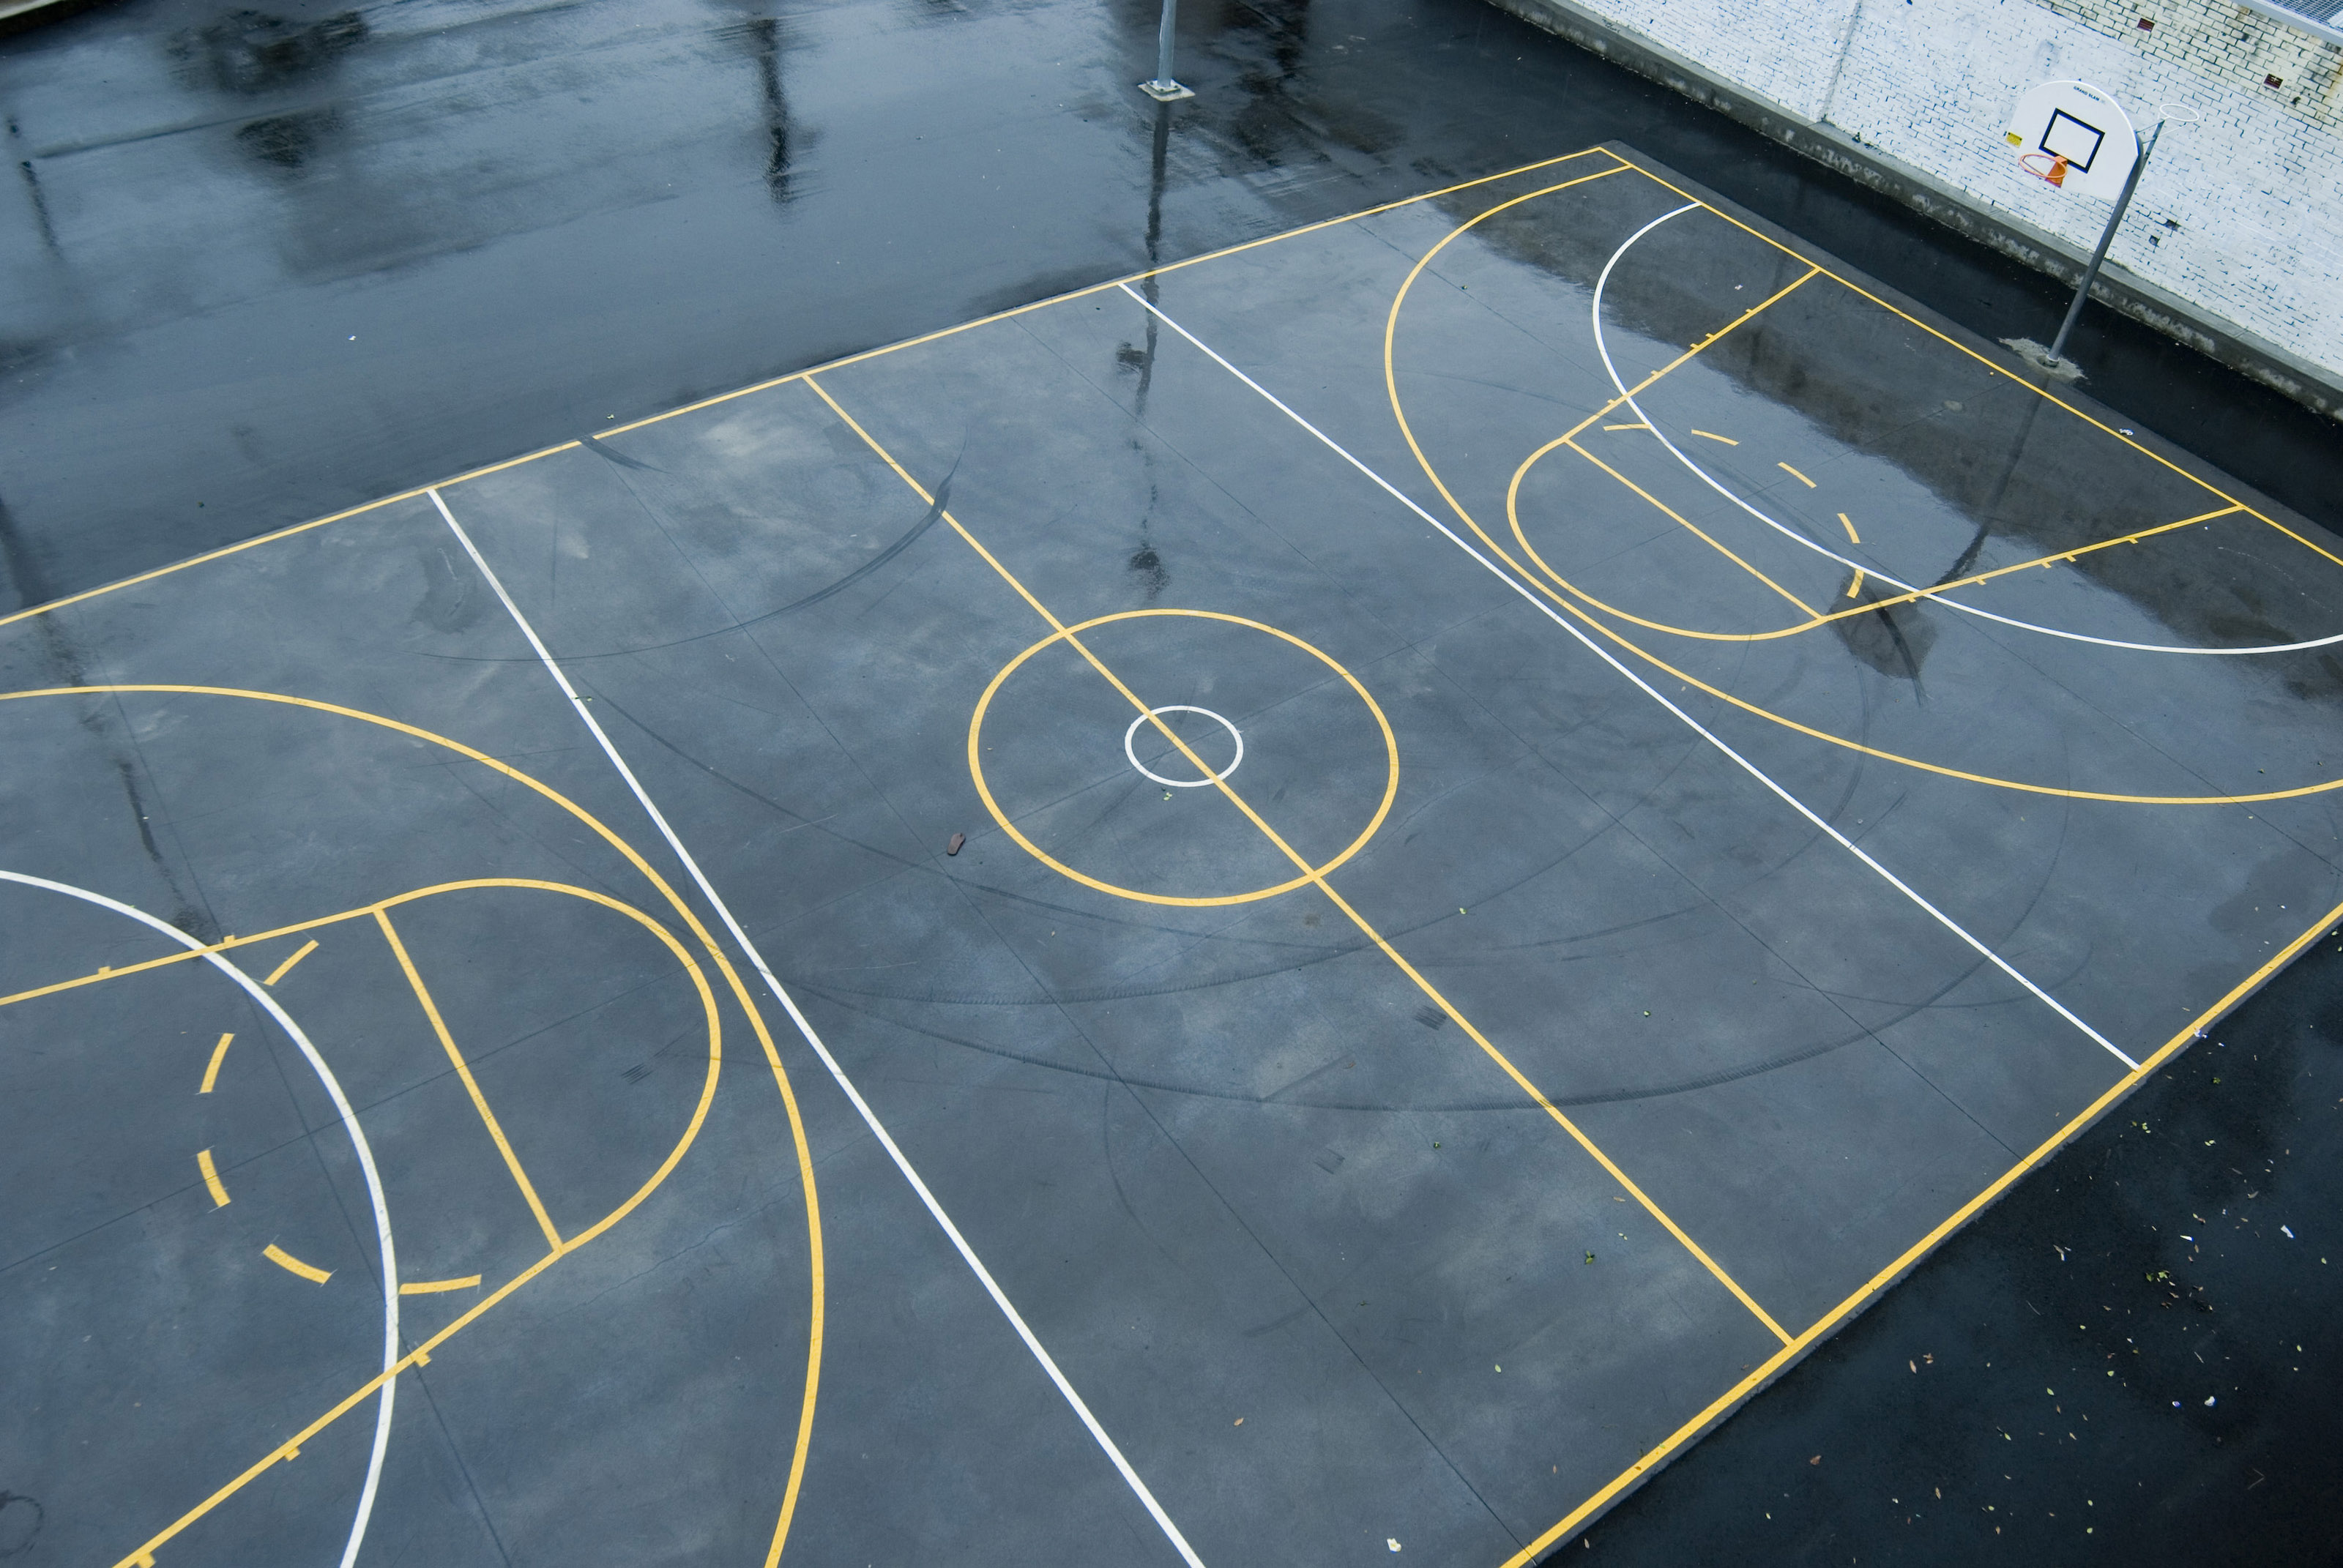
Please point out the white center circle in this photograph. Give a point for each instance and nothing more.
(1133, 734)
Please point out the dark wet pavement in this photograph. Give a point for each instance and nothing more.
(2131, 1361)
(262, 265)
(274, 267)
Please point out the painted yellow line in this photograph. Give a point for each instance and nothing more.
(281, 970)
(1855, 587)
(1399, 412)
(1760, 1375)
(1996, 368)
(1795, 475)
(1071, 294)
(145, 1553)
(984, 787)
(1309, 872)
(1852, 537)
(1713, 437)
(219, 1054)
(471, 1084)
(1681, 521)
(1637, 427)
(1390, 331)
(211, 1178)
(58, 604)
(435, 1287)
(293, 1265)
(1619, 165)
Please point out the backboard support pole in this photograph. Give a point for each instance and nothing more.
(1163, 89)
(2098, 257)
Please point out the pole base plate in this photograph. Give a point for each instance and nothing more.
(2042, 360)
(1166, 91)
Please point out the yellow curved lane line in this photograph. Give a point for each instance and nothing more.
(293, 1265)
(418, 1356)
(211, 1178)
(281, 970)
(1399, 412)
(219, 1054)
(433, 1287)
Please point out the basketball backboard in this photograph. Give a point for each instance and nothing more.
(2082, 125)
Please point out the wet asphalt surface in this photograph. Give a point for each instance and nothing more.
(260, 267)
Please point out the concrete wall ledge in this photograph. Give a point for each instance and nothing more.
(2119, 290)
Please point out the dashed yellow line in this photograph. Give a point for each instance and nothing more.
(219, 1054)
(1795, 475)
(281, 970)
(433, 1287)
(1713, 435)
(293, 1265)
(211, 1178)
(1855, 587)
(1848, 524)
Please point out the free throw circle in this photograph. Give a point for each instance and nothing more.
(1131, 734)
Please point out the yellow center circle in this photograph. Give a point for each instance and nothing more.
(1070, 634)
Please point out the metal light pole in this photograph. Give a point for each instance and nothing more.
(2091, 272)
(1163, 89)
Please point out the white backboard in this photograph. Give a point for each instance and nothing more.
(2085, 125)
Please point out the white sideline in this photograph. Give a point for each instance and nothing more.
(1698, 728)
(854, 1095)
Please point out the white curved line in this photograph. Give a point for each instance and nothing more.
(1132, 732)
(357, 1141)
(1932, 594)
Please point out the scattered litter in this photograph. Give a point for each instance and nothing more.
(2286, 1232)
(1816, 1460)
(1590, 1257)
(1240, 1421)
(1913, 1364)
(1391, 1541)
(1498, 1368)
(957, 841)
(2209, 1400)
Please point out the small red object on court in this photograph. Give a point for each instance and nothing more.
(957, 841)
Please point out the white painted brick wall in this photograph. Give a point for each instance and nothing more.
(2239, 214)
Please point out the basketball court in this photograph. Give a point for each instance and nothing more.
(1305, 908)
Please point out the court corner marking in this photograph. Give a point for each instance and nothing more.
(1918, 1251)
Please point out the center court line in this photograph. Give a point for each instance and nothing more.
(805, 1027)
(1314, 875)
(1844, 842)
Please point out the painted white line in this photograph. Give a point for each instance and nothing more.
(1602, 348)
(357, 1141)
(1844, 842)
(805, 1027)
(1133, 733)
